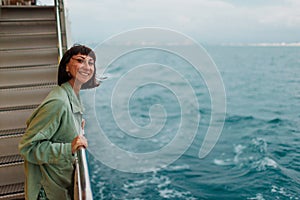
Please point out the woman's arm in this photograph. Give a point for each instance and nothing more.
(36, 145)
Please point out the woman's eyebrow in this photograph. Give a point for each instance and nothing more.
(82, 57)
(85, 57)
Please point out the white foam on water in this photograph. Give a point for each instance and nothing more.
(282, 191)
(238, 150)
(169, 193)
(258, 196)
(177, 167)
(223, 162)
(266, 162)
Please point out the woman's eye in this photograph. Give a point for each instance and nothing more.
(80, 60)
(91, 63)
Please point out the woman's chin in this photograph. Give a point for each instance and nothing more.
(82, 80)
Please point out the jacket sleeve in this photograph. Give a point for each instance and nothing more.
(36, 145)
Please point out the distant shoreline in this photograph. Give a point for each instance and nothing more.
(279, 44)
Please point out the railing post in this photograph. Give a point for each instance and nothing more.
(58, 7)
(82, 184)
(86, 191)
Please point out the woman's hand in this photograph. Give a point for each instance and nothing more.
(78, 142)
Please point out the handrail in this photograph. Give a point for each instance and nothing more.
(58, 7)
(82, 186)
(82, 173)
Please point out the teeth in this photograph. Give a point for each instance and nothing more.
(84, 74)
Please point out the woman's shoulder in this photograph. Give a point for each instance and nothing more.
(54, 102)
(57, 95)
(58, 91)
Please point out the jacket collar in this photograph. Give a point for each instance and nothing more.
(75, 101)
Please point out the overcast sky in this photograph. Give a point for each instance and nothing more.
(207, 21)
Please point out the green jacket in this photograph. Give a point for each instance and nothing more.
(46, 144)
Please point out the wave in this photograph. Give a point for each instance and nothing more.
(253, 155)
(162, 184)
(257, 121)
(275, 121)
(238, 118)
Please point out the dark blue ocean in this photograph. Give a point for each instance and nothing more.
(258, 153)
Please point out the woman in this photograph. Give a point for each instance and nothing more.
(52, 134)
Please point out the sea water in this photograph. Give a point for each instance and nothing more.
(257, 155)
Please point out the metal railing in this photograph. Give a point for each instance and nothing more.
(82, 186)
(58, 8)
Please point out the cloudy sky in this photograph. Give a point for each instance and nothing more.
(207, 21)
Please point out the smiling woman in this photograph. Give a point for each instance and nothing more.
(52, 135)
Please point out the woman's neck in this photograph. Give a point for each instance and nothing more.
(75, 85)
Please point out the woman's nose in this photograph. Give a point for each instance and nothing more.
(88, 65)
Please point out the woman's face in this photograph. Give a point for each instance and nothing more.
(81, 67)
